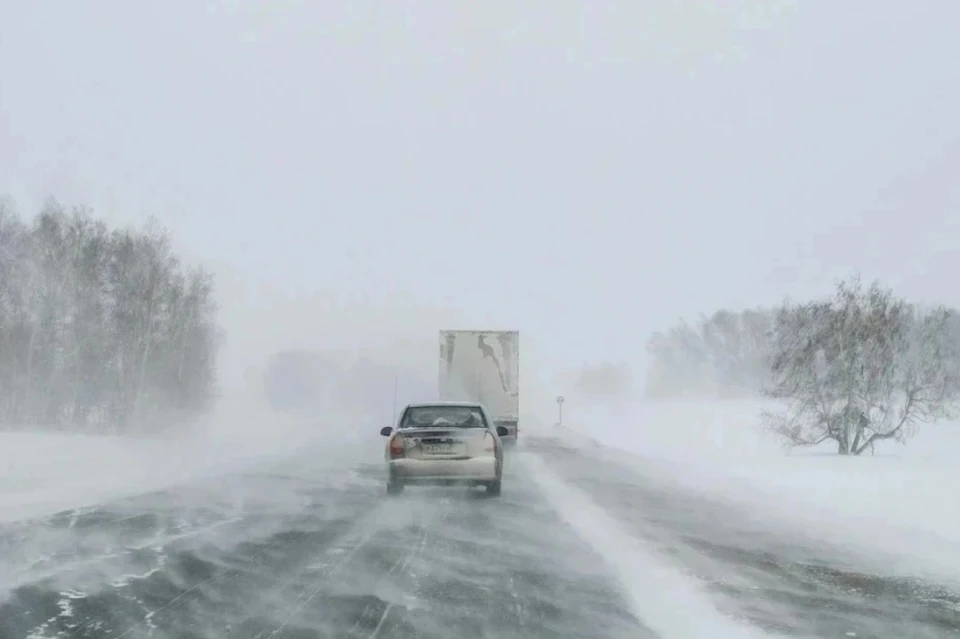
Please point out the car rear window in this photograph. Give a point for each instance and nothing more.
(446, 416)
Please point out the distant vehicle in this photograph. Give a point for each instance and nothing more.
(444, 443)
(483, 367)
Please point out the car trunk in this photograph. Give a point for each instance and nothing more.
(443, 443)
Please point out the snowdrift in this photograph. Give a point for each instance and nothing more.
(898, 503)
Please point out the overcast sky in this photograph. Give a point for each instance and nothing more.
(585, 172)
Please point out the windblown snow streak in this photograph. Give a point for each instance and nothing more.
(297, 554)
(575, 547)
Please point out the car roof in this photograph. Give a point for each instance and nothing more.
(444, 403)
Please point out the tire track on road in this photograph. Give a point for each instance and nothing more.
(660, 594)
(402, 567)
(506, 567)
(776, 579)
(189, 577)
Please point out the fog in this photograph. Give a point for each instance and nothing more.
(619, 166)
(357, 176)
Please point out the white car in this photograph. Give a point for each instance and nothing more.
(443, 443)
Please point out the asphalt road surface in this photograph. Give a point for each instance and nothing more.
(297, 550)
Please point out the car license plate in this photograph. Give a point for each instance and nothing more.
(438, 449)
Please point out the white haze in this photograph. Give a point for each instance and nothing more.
(360, 175)
(619, 164)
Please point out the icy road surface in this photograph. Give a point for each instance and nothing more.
(293, 550)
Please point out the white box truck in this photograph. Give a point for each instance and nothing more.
(483, 366)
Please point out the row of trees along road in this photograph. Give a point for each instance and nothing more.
(100, 330)
(858, 367)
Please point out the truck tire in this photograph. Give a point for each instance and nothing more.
(493, 488)
(394, 487)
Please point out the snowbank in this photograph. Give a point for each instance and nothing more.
(899, 503)
(42, 473)
(666, 600)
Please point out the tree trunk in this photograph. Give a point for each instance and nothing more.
(856, 440)
(148, 339)
(147, 333)
(183, 342)
(28, 385)
(843, 439)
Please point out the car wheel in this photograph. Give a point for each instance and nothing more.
(493, 488)
(394, 488)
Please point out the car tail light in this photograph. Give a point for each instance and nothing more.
(489, 443)
(397, 447)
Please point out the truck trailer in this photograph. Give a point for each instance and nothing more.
(484, 367)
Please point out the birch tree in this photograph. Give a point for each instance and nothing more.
(100, 330)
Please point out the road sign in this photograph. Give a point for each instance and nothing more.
(560, 399)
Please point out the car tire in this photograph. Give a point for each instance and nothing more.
(394, 488)
(493, 488)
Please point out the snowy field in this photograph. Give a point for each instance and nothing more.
(43, 473)
(900, 504)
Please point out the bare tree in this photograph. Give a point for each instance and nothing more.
(100, 330)
(858, 368)
(724, 354)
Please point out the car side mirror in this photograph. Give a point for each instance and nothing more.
(502, 431)
(386, 430)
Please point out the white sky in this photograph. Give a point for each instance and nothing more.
(585, 172)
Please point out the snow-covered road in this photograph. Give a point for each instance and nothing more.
(578, 545)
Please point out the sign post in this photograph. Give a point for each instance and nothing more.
(560, 410)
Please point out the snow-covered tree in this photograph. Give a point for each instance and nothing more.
(723, 354)
(860, 367)
(99, 329)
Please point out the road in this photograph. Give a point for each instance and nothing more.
(299, 550)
